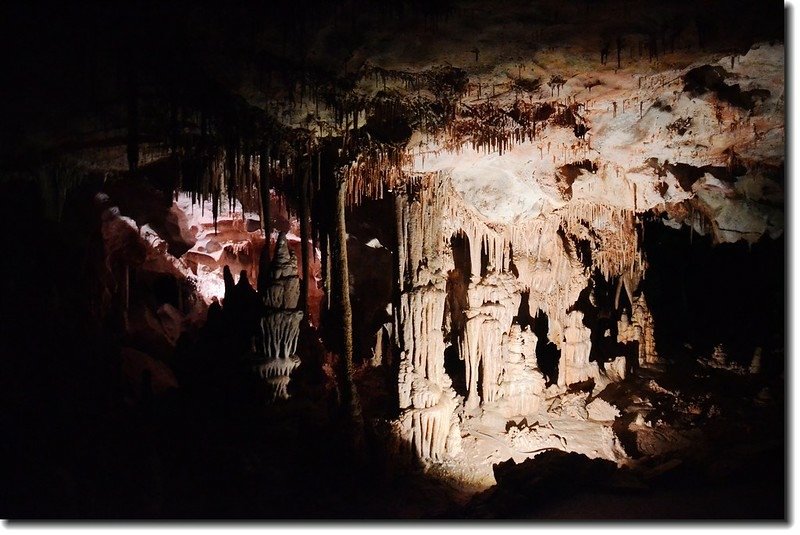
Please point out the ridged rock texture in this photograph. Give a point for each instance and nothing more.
(470, 296)
(280, 325)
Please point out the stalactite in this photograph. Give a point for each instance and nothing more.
(429, 211)
(375, 170)
(266, 221)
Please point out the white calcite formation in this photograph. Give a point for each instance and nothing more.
(280, 325)
(492, 306)
(616, 369)
(602, 411)
(521, 383)
(540, 214)
(428, 421)
(427, 399)
(640, 331)
(574, 366)
(628, 332)
(541, 210)
(537, 257)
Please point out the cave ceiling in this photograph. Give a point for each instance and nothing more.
(527, 106)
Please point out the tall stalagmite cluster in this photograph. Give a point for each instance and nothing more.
(499, 354)
(427, 400)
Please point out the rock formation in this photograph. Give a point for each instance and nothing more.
(280, 325)
(428, 402)
(575, 366)
(499, 262)
(521, 383)
(643, 320)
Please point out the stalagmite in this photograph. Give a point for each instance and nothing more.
(616, 369)
(755, 363)
(493, 303)
(521, 383)
(628, 332)
(574, 365)
(280, 325)
(481, 347)
(497, 374)
(450, 221)
(647, 345)
(427, 400)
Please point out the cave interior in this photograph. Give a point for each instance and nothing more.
(402, 259)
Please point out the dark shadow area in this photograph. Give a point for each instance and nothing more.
(371, 234)
(703, 294)
(523, 317)
(456, 370)
(554, 484)
(459, 243)
(547, 354)
(484, 258)
(186, 436)
(457, 303)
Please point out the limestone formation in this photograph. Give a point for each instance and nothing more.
(484, 240)
(492, 305)
(575, 366)
(644, 320)
(521, 383)
(616, 369)
(283, 290)
(280, 324)
(498, 263)
(428, 403)
(601, 410)
(628, 332)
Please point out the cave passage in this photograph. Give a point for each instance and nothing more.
(703, 295)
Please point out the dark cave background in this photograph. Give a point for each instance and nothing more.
(703, 294)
